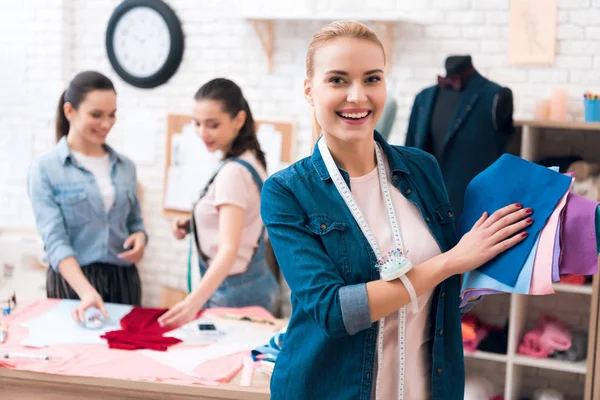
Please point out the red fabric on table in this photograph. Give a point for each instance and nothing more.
(133, 341)
(144, 320)
(141, 331)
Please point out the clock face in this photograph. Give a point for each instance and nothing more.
(141, 42)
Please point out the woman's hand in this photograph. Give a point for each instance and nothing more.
(90, 298)
(490, 236)
(180, 227)
(136, 242)
(182, 313)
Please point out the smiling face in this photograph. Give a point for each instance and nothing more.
(347, 88)
(215, 127)
(92, 121)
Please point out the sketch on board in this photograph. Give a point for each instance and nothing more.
(532, 32)
(191, 167)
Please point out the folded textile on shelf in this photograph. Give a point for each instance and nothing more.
(549, 335)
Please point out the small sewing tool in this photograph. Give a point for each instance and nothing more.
(3, 331)
(25, 355)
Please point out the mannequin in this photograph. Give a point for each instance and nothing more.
(464, 121)
(447, 100)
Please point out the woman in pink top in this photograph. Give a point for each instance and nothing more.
(226, 224)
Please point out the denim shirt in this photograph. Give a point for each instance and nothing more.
(69, 210)
(330, 345)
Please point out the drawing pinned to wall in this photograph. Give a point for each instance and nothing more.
(190, 169)
(532, 33)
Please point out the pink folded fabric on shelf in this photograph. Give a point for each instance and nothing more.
(555, 333)
(532, 346)
(550, 335)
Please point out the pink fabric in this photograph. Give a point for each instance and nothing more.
(549, 335)
(99, 361)
(233, 185)
(421, 246)
(532, 346)
(223, 369)
(250, 312)
(541, 278)
(556, 334)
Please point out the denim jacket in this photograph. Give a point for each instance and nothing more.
(69, 210)
(330, 345)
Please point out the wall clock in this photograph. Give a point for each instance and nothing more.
(144, 42)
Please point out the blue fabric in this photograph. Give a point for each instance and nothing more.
(474, 139)
(270, 351)
(477, 280)
(513, 180)
(329, 350)
(69, 209)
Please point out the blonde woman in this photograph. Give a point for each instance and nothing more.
(364, 235)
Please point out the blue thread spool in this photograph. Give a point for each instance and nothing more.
(591, 107)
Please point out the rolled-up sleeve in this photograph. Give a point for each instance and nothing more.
(48, 217)
(314, 280)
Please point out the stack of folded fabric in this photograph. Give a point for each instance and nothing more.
(478, 335)
(552, 338)
(563, 239)
(140, 331)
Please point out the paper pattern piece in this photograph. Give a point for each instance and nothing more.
(270, 142)
(140, 132)
(56, 326)
(532, 33)
(238, 337)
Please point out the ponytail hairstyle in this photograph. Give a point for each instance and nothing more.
(337, 29)
(233, 101)
(83, 83)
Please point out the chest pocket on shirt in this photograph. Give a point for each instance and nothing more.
(443, 213)
(75, 208)
(333, 236)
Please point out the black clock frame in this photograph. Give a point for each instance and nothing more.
(175, 52)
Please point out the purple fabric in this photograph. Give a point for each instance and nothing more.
(579, 235)
(556, 255)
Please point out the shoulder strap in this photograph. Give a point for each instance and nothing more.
(257, 179)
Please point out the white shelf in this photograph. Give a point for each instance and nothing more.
(579, 367)
(384, 27)
(484, 355)
(329, 17)
(567, 288)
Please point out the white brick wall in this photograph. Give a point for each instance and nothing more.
(43, 43)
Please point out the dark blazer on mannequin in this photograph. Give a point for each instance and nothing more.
(476, 137)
